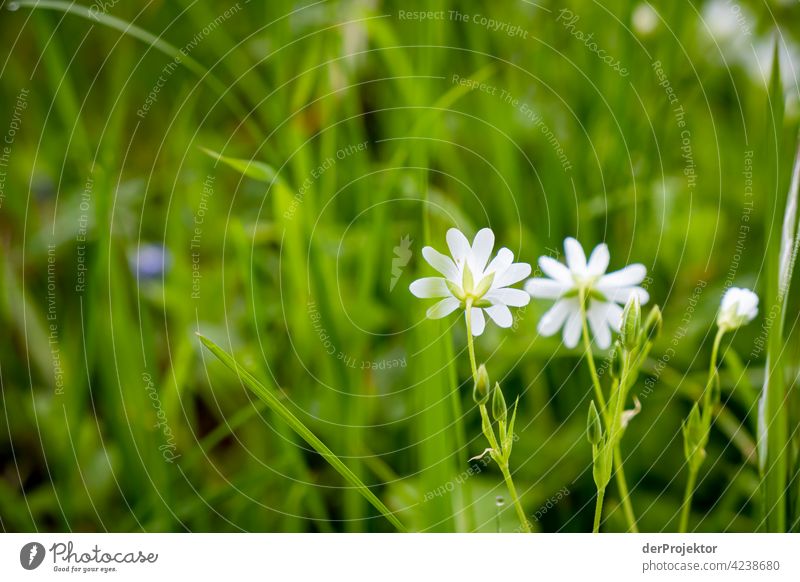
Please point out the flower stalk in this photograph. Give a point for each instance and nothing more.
(738, 307)
(499, 449)
(630, 350)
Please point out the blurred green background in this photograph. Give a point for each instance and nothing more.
(637, 125)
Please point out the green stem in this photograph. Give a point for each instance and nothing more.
(490, 435)
(712, 372)
(470, 341)
(622, 485)
(619, 473)
(598, 510)
(706, 416)
(526, 527)
(587, 346)
(687, 498)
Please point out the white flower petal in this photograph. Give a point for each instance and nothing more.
(555, 270)
(552, 321)
(501, 262)
(738, 307)
(630, 275)
(481, 249)
(429, 287)
(508, 296)
(576, 258)
(545, 288)
(458, 245)
(514, 274)
(478, 321)
(441, 263)
(572, 329)
(614, 316)
(623, 294)
(599, 324)
(501, 315)
(598, 262)
(444, 307)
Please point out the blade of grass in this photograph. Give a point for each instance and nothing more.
(773, 412)
(273, 401)
(180, 56)
(250, 168)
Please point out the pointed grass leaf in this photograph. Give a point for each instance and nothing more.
(250, 168)
(272, 400)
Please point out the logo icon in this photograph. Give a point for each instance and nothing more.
(402, 254)
(31, 555)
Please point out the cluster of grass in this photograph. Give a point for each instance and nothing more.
(343, 128)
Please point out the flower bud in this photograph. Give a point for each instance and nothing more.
(653, 323)
(499, 409)
(480, 392)
(694, 436)
(631, 322)
(594, 430)
(739, 307)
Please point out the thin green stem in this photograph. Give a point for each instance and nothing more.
(526, 527)
(687, 498)
(598, 510)
(587, 346)
(619, 473)
(712, 371)
(470, 341)
(706, 416)
(490, 434)
(622, 485)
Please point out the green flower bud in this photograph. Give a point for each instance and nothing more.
(594, 430)
(653, 323)
(631, 323)
(602, 459)
(480, 392)
(694, 436)
(499, 409)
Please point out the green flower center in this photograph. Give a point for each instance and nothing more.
(469, 292)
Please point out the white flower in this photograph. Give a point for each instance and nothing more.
(604, 293)
(469, 277)
(738, 307)
(644, 19)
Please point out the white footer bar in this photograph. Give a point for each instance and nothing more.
(390, 557)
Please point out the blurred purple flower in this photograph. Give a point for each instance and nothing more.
(150, 262)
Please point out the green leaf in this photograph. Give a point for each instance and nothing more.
(773, 431)
(250, 168)
(272, 400)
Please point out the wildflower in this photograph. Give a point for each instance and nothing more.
(739, 307)
(150, 261)
(585, 281)
(644, 19)
(472, 281)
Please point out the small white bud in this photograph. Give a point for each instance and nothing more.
(739, 307)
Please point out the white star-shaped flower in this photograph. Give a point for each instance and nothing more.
(739, 307)
(471, 279)
(604, 293)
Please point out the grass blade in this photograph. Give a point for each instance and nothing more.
(156, 42)
(773, 411)
(271, 399)
(250, 168)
